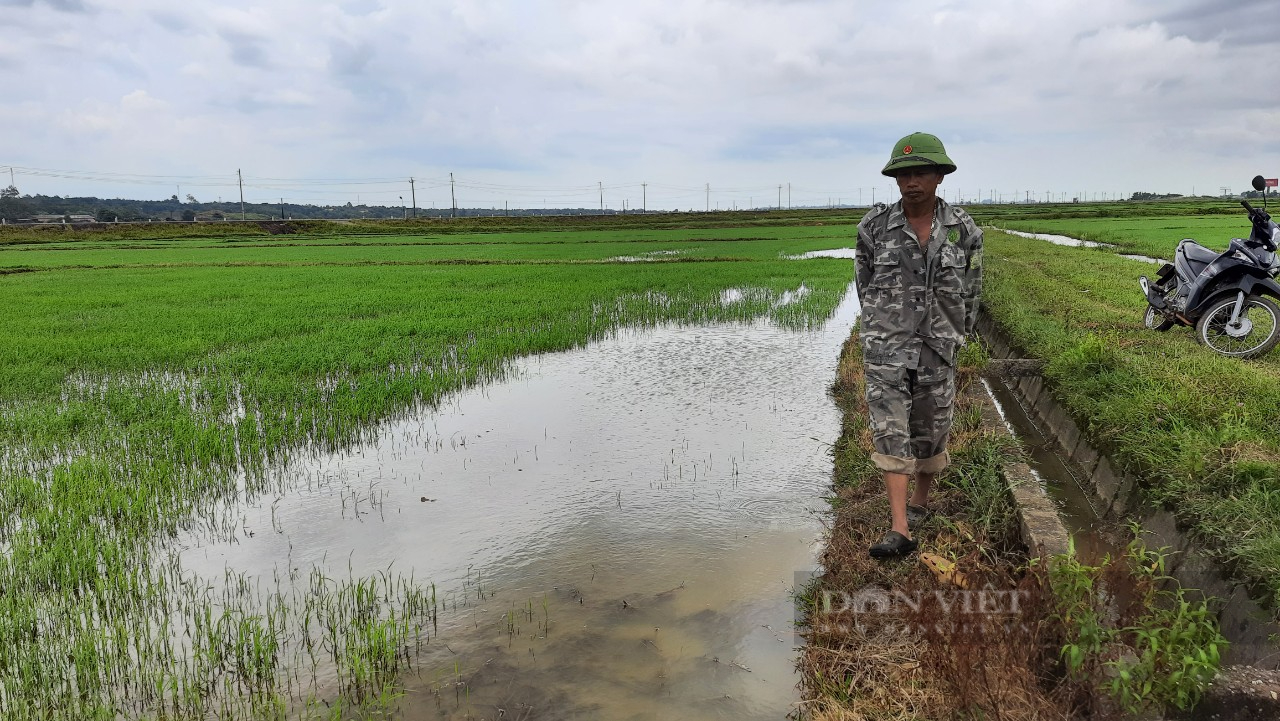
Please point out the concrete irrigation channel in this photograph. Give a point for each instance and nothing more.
(1069, 489)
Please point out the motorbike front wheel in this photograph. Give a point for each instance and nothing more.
(1257, 333)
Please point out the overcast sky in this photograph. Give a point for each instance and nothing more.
(535, 102)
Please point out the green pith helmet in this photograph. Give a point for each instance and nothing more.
(918, 149)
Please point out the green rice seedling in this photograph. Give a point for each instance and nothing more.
(256, 653)
(147, 388)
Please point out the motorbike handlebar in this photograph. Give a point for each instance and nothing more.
(1260, 217)
(1261, 221)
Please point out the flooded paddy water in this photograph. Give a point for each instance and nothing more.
(1068, 241)
(613, 532)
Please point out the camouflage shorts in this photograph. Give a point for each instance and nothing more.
(910, 413)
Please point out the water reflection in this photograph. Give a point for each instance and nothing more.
(615, 530)
(828, 253)
(1058, 239)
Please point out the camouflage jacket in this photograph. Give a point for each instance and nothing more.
(911, 295)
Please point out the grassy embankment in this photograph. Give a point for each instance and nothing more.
(51, 233)
(1196, 428)
(876, 670)
(507, 248)
(145, 386)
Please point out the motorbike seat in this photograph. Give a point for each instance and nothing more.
(1196, 252)
(1190, 259)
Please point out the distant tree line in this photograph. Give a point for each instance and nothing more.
(16, 208)
(1167, 196)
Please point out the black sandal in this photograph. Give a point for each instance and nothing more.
(894, 545)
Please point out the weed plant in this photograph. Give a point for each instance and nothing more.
(1127, 629)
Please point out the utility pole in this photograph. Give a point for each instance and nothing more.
(788, 196)
(240, 180)
(453, 197)
(873, 196)
(779, 196)
(708, 197)
(413, 196)
(282, 209)
(600, 183)
(644, 197)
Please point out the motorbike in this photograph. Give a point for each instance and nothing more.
(1229, 298)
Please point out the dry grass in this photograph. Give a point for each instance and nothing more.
(874, 673)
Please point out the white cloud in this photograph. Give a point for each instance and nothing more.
(139, 101)
(557, 93)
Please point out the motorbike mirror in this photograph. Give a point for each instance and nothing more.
(1259, 182)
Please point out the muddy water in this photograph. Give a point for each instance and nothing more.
(615, 531)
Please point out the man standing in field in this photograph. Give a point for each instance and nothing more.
(919, 272)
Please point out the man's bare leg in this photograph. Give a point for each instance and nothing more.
(896, 485)
(920, 495)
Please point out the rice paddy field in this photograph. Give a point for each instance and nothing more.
(155, 380)
(148, 386)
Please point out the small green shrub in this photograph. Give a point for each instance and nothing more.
(1159, 651)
